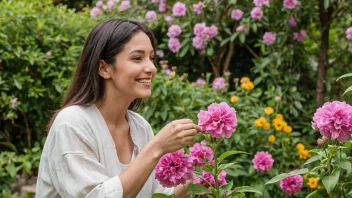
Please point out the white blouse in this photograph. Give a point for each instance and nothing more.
(80, 160)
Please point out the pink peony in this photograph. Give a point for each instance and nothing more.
(257, 13)
(320, 142)
(291, 185)
(179, 9)
(162, 7)
(262, 161)
(174, 31)
(110, 4)
(210, 178)
(236, 14)
(155, 1)
(197, 8)
(334, 120)
(13, 102)
(174, 44)
(160, 53)
(169, 18)
(219, 83)
(269, 38)
(219, 121)
(199, 153)
(95, 12)
(292, 22)
(201, 82)
(198, 42)
(349, 33)
(211, 31)
(125, 5)
(99, 4)
(199, 28)
(174, 169)
(290, 4)
(241, 28)
(260, 3)
(227, 73)
(150, 15)
(299, 36)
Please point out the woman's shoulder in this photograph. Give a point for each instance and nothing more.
(73, 115)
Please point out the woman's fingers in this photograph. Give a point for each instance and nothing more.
(188, 133)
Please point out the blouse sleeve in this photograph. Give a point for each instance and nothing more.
(74, 166)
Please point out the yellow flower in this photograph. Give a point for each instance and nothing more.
(172, 74)
(269, 110)
(278, 124)
(266, 125)
(287, 129)
(305, 176)
(271, 138)
(313, 182)
(234, 99)
(303, 154)
(248, 85)
(300, 146)
(259, 122)
(278, 117)
(245, 80)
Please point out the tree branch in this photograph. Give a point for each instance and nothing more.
(251, 51)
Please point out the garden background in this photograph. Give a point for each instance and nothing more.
(274, 61)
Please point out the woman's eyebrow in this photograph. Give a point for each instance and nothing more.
(140, 51)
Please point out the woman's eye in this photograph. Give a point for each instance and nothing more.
(137, 58)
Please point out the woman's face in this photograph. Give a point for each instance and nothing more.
(134, 68)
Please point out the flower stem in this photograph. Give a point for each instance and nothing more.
(216, 171)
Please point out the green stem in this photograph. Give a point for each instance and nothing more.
(216, 171)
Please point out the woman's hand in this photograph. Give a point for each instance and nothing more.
(175, 135)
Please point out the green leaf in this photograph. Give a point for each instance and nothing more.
(326, 4)
(311, 194)
(347, 90)
(298, 104)
(242, 38)
(225, 41)
(18, 84)
(344, 76)
(330, 182)
(312, 159)
(247, 189)
(224, 166)
(197, 189)
(226, 188)
(229, 153)
(160, 195)
(285, 175)
(11, 169)
(345, 165)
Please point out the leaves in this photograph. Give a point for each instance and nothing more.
(330, 182)
(312, 159)
(247, 189)
(160, 195)
(285, 175)
(345, 165)
(197, 189)
(229, 153)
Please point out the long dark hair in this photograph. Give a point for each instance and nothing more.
(105, 41)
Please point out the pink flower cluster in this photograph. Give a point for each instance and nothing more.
(292, 184)
(174, 31)
(219, 83)
(125, 5)
(200, 154)
(292, 22)
(210, 178)
(150, 15)
(269, 38)
(299, 36)
(241, 28)
(95, 12)
(160, 53)
(201, 82)
(174, 44)
(349, 33)
(290, 4)
(203, 34)
(179, 9)
(262, 161)
(219, 121)
(236, 14)
(174, 169)
(197, 8)
(260, 3)
(13, 102)
(257, 13)
(334, 120)
(169, 18)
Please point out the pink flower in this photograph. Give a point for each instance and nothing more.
(155, 1)
(219, 121)
(227, 73)
(174, 44)
(320, 142)
(150, 15)
(236, 14)
(95, 12)
(199, 28)
(292, 21)
(197, 8)
(199, 153)
(99, 4)
(179, 9)
(260, 3)
(210, 178)
(174, 169)
(211, 31)
(290, 4)
(201, 82)
(241, 28)
(13, 102)
(269, 38)
(174, 31)
(299, 36)
(334, 120)
(162, 7)
(110, 5)
(198, 43)
(291, 185)
(277, 98)
(349, 33)
(219, 83)
(257, 13)
(124, 5)
(160, 53)
(262, 161)
(169, 18)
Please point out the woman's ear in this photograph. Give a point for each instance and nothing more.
(103, 69)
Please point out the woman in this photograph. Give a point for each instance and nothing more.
(97, 146)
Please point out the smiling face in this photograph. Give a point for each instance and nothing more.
(134, 68)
